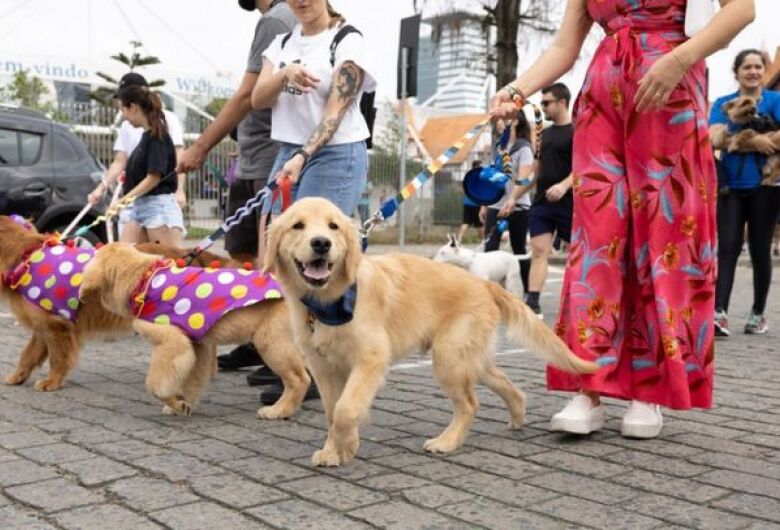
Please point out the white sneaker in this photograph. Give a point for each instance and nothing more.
(579, 416)
(642, 420)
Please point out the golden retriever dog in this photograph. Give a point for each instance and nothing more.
(180, 367)
(53, 337)
(403, 304)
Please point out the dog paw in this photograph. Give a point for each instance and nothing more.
(274, 413)
(177, 407)
(516, 424)
(14, 379)
(47, 385)
(440, 445)
(326, 458)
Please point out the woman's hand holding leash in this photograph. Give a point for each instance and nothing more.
(506, 103)
(291, 169)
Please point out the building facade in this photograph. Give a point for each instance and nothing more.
(453, 59)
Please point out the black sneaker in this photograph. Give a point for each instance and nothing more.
(262, 376)
(537, 311)
(272, 394)
(240, 357)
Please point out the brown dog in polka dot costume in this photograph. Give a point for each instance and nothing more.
(186, 312)
(58, 336)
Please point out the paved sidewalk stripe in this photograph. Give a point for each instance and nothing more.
(428, 362)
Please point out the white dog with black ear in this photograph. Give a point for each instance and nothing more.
(498, 266)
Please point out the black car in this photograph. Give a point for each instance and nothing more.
(46, 172)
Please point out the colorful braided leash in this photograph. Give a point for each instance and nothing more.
(390, 206)
(113, 210)
(271, 192)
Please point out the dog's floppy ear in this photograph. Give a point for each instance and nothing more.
(728, 105)
(354, 252)
(273, 240)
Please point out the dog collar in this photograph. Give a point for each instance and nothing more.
(335, 313)
(12, 278)
(138, 294)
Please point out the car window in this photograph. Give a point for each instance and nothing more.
(9, 148)
(31, 147)
(64, 151)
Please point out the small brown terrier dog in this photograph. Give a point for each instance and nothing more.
(180, 368)
(743, 111)
(392, 306)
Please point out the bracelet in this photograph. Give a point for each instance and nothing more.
(518, 98)
(306, 156)
(682, 65)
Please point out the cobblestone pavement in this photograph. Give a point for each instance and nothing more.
(99, 455)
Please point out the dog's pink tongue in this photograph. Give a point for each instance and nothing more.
(318, 271)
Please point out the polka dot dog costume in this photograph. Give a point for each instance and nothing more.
(194, 298)
(49, 277)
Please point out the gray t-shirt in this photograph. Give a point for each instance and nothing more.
(258, 151)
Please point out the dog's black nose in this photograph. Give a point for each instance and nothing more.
(320, 245)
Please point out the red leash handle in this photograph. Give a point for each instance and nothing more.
(283, 189)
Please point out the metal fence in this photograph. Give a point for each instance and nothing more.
(438, 203)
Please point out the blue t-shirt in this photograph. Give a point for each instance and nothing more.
(744, 169)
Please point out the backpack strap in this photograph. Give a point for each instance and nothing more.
(286, 38)
(337, 38)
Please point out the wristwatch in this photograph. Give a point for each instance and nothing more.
(306, 156)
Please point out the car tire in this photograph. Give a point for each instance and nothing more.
(90, 238)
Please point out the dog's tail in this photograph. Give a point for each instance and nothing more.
(524, 327)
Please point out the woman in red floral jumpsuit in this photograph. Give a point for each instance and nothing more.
(638, 291)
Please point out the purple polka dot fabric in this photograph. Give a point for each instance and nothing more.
(50, 278)
(194, 298)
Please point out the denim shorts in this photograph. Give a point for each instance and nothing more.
(155, 211)
(335, 172)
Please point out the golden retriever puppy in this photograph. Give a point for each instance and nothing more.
(156, 293)
(380, 309)
(58, 337)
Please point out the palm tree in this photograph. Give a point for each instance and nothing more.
(134, 60)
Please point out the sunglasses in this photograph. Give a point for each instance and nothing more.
(547, 102)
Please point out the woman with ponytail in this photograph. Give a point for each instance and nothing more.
(150, 173)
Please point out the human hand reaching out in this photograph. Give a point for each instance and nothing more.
(299, 77)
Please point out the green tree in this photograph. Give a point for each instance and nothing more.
(132, 62)
(215, 106)
(29, 91)
(386, 158)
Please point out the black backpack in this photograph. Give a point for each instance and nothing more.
(367, 98)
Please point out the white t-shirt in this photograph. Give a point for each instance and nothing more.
(522, 157)
(296, 115)
(128, 136)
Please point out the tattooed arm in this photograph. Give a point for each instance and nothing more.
(346, 84)
(347, 81)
